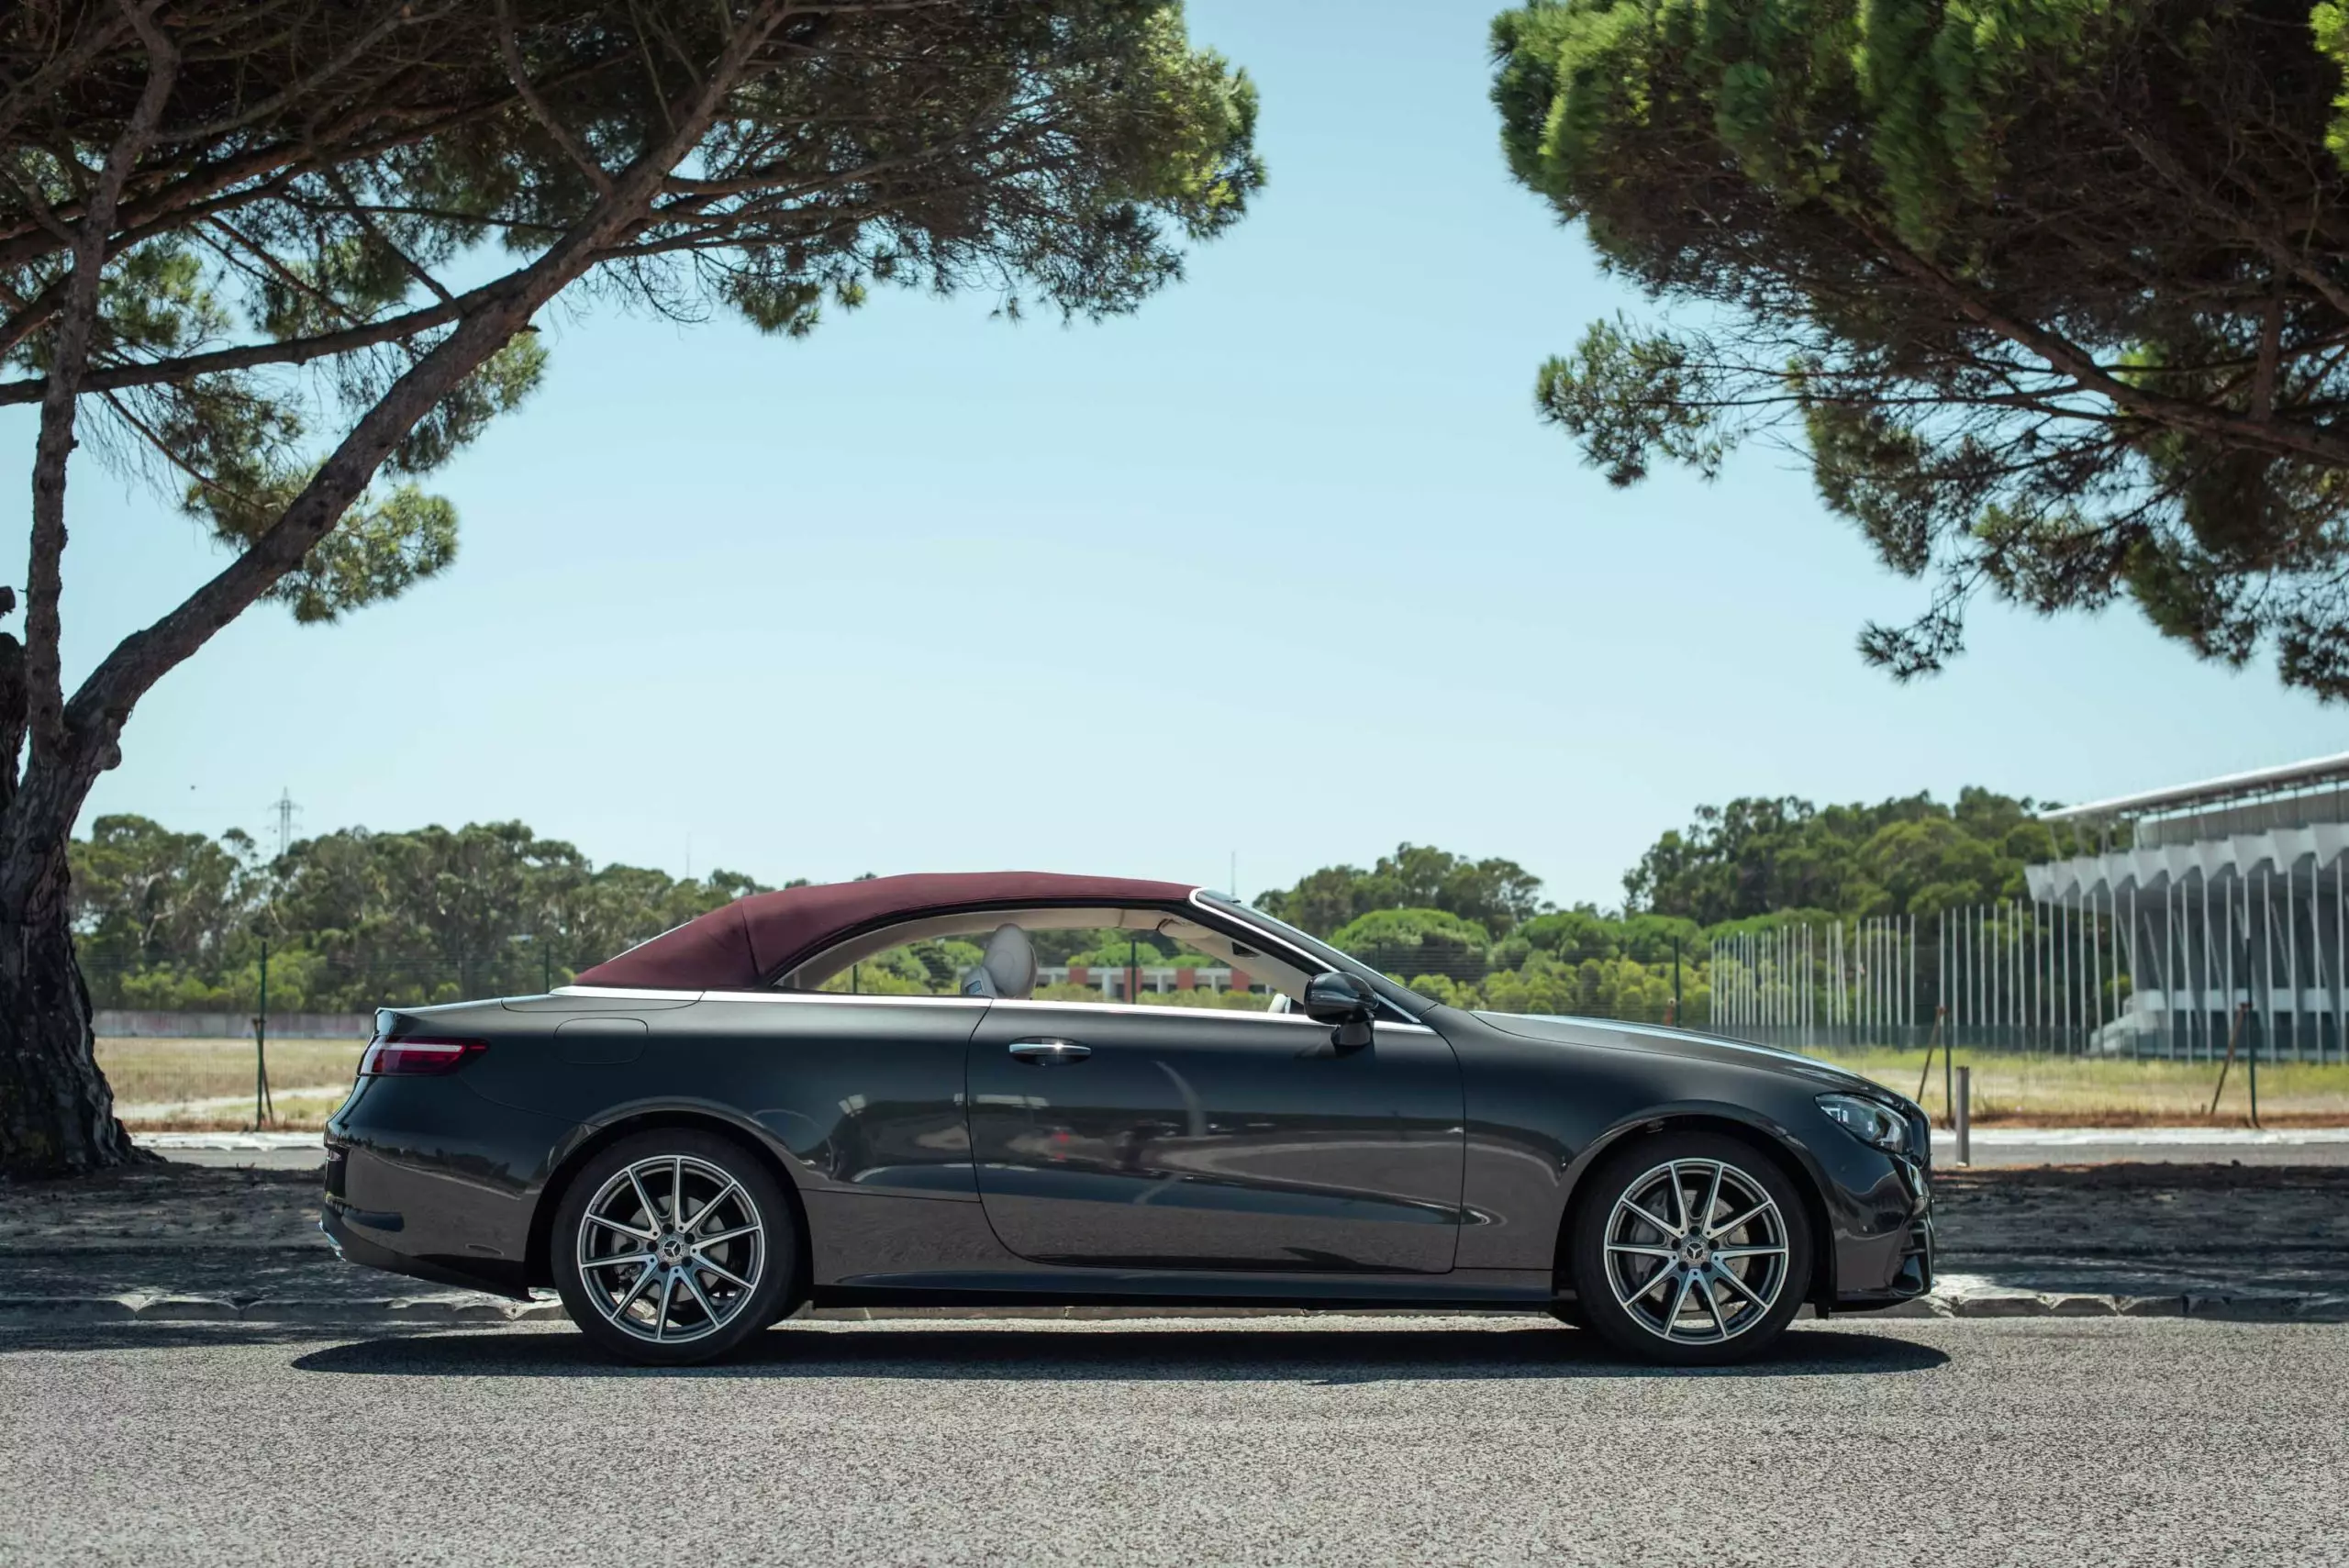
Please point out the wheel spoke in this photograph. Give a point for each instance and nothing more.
(652, 1209)
(1748, 1218)
(1720, 1327)
(1744, 1289)
(1637, 1250)
(702, 1260)
(1624, 1298)
(731, 1187)
(1712, 1200)
(616, 1259)
(647, 1277)
(1735, 1252)
(740, 1231)
(676, 1189)
(1679, 1198)
(623, 1229)
(1679, 1303)
(661, 1321)
(709, 1309)
(1650, 1218)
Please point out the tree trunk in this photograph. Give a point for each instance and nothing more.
(56, 1110)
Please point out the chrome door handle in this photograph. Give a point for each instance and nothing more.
(1049, 1053)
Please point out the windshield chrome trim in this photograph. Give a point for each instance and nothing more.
(1311, 965)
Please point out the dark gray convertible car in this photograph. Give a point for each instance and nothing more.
(770, 1105)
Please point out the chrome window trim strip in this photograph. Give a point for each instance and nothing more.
(628, 992)
(1163, 1009)
(844, 998)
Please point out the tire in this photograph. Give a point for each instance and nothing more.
(636, 1282)
(1659, 1288)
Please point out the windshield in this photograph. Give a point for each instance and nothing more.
(1395, 991)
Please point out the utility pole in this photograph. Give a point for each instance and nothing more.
(284, 809)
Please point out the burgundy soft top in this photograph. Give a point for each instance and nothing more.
(752, 939)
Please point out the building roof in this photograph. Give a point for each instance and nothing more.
(749, 942)
(2210, 792)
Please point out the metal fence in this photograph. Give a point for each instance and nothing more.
(2044, 978)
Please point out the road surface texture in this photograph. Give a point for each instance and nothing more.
(1353, 1442)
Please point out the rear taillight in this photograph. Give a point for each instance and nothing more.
(416, 1057)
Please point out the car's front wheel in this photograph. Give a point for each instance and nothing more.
(1693, 1250)
(674, 1246)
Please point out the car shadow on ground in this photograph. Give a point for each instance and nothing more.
(1309, 1355)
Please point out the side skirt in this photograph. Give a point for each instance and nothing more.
(1497, 1290)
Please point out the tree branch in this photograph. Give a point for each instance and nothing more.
(102, 704)
(2280, 437)
(297, 351)
(44, 700)
(518, 73)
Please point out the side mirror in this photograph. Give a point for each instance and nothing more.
(1341, 999)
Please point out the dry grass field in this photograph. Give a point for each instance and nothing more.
(2077, 1092)
(156, 1080)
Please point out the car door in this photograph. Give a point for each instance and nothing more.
(1189, 1138)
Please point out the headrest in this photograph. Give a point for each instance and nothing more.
(1008, 969)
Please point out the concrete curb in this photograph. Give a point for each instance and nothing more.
(25, 1311)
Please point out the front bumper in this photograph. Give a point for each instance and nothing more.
(1898, 1264)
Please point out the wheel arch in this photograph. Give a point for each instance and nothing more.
(539, 1262)
(1770, 1142)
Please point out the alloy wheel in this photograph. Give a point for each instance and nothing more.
(671, 1249)
(1696, 1251)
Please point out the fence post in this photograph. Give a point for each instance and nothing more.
(2252, 1060)
(2233, 1035)
(262, 1107)
(1963, 1116)
(1930, 1041)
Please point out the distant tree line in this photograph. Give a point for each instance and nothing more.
(1478, 932)
(353, 919)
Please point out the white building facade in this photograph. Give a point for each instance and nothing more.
(2221, 904)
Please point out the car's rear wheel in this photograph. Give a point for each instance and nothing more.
(674, 1246)
(1693, 1250)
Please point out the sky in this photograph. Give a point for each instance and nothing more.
(1280, 573)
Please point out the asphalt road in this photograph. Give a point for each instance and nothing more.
(1354, 1441)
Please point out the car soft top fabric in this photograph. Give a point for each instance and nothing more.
(751, 939)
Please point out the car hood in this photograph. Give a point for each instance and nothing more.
(1683, 1043)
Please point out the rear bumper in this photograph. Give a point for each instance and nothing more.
(355, 1245)
(426, 1179)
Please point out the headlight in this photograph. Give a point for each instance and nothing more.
(1868, 1121)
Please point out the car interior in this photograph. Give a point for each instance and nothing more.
(1008, 966)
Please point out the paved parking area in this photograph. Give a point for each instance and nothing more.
(1354, 1441)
